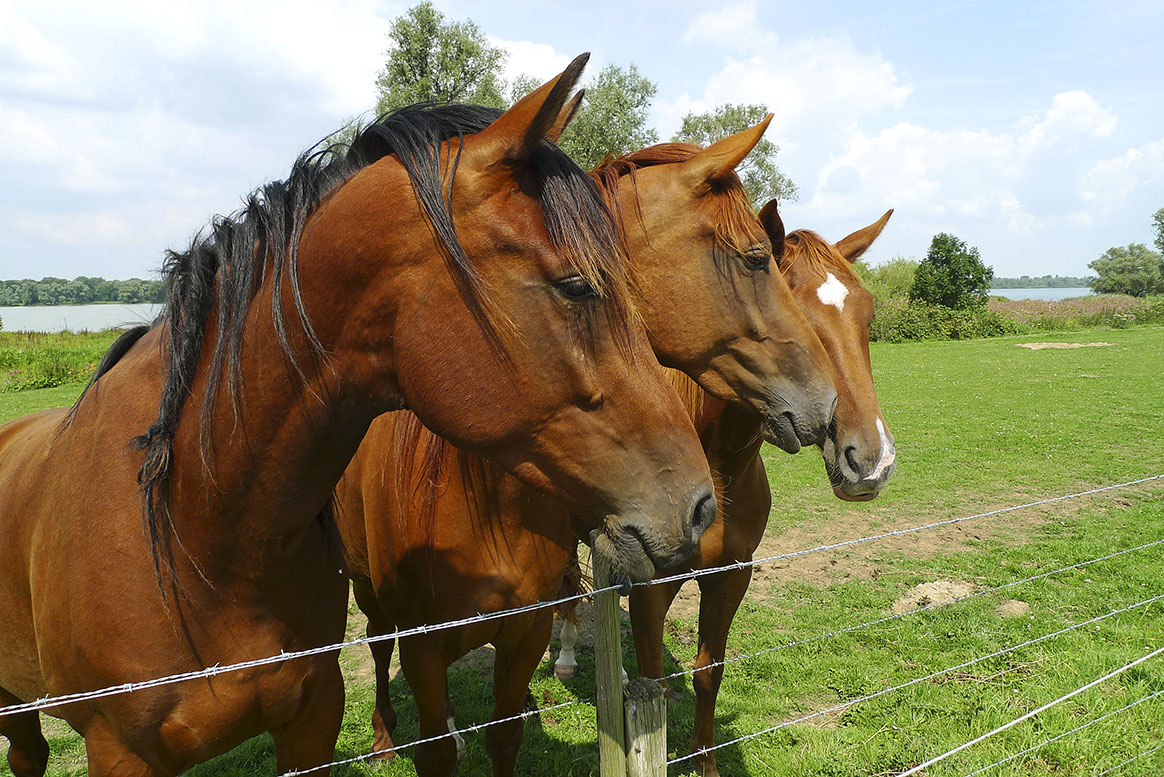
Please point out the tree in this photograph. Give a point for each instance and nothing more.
(433, 59)
(951, 275)
(1158, 225)
(759, 173)
(1134, 269)
(891, 280)
(613, 118)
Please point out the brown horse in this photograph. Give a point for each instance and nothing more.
(433, 534)
(333, 297)
(859, 458)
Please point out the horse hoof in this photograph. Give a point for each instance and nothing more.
(383, 756)
(565, 672)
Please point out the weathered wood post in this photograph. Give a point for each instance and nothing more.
(608, 673)
(646, 729)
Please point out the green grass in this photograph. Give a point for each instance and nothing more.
(37, 360)
(979, 424)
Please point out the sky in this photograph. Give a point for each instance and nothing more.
(1033, 131)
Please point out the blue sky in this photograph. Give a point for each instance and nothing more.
(1034, 131)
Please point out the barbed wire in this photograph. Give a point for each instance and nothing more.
(1028, 715)
(692, 574)
(466, 730)
(916, 680)
(1065, 734)
(1134, 758)
(213, 671)
(896, 616)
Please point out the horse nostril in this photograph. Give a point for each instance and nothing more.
(851, 459)
(703, 515)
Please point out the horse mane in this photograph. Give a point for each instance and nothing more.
(735, 208)
(806, 248)
(224, 267)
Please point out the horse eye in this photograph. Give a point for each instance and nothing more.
(576, 288)
(757, 259)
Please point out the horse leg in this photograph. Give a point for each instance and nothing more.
(28, 751)
(513, 667)
(308, 741)
(426, 670)
(648, 610)
(719, 598)
(108, 756)
(566, 667)
(384, 715)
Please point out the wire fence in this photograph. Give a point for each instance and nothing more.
(52, 702)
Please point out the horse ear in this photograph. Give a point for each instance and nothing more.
(517, 132)
(774, 226)
(566, 116)
(854, 245)
(719, 160)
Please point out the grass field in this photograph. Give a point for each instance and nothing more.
(979, 425)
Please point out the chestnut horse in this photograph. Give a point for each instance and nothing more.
(859, 458)
(335, 296)
(432, 534)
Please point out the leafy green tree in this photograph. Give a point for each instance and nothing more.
(891, 280)
(951, 275)
(759, 173)
(1134, 269)
(613, 118)
(430, 58)
(1158, 225)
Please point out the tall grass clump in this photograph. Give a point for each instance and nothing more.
(35, 360)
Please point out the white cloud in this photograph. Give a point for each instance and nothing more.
(822, 83)
(1110, 182)
(72, 228)
(528, 58)
(1027, 180)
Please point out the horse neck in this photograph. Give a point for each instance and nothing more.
(730, 435)
(265, 464)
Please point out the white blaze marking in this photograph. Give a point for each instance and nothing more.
(832, 292)
(888, 454)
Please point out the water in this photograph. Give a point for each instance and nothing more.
(1045, 294)
(74, 318)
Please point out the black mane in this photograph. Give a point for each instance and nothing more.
(224, 267)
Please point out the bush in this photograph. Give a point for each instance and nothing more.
(898, 321)
(888, 281)
(951, 275)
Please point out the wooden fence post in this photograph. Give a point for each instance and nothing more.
(608, 674)
(646, 729)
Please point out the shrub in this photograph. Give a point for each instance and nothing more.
(899, 321)
(891, 280)
(951, 275)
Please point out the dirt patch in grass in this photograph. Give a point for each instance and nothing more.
(1041, 346)
(1012, 608)
(937, 592)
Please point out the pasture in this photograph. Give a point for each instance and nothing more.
(979, 425)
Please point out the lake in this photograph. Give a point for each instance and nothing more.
(1045, 294)
(75, 318)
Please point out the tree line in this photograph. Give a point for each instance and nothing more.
(81, 290)
(1042, 282)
